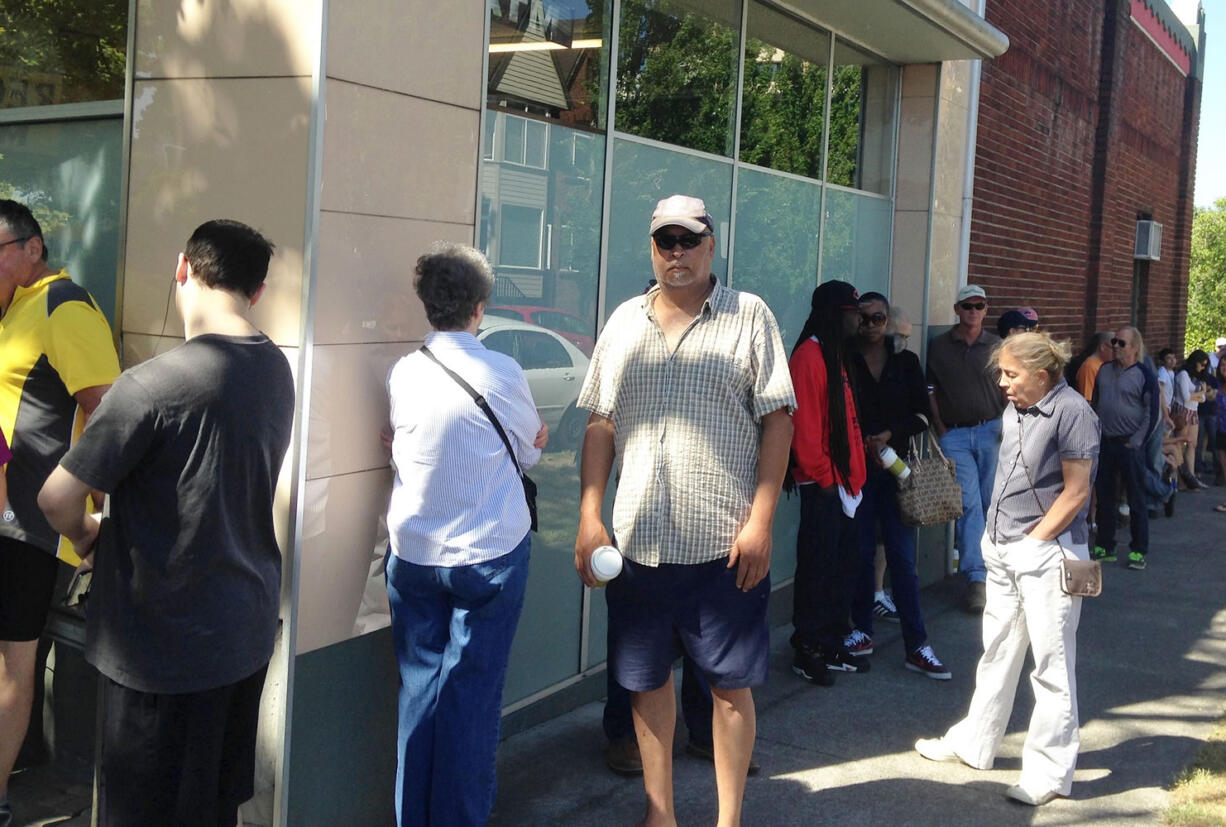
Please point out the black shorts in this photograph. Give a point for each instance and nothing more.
(657, 614)
(186, 759)
(27, 582)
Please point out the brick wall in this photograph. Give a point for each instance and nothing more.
(1084, 124)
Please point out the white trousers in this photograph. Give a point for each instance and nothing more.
(1025, 608)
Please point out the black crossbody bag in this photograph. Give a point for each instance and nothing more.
(529, 485)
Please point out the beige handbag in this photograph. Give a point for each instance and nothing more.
(930, 495)
(1078, 578)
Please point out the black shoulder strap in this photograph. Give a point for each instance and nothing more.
(481, 403)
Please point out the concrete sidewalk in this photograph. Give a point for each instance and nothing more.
(1151, 668)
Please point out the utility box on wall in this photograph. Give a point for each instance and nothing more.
(1149, 241)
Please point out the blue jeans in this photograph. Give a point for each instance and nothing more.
(1115, 458)
(974, 451)
(880, 507)
(696, 706)
(453, 629)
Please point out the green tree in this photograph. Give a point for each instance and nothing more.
(1207, 277)
(62, 51)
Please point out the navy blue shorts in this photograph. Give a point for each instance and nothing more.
(658, 614)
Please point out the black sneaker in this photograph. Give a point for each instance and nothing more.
(840, 660)
(810, 664)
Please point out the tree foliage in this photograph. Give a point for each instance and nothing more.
(62, 51)
(1207, 277)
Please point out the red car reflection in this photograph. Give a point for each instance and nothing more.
(574, 329)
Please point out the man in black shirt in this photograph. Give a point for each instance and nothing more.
(183, 611)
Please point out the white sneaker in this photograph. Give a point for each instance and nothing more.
(936, 749)
(1019, 793)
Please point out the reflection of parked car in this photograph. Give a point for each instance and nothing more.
(554, 367)
(574, 329)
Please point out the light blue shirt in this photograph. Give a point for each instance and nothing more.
(457, 499)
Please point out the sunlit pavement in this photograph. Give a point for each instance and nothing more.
(1151, 670)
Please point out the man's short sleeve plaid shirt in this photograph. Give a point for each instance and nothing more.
(687, 423)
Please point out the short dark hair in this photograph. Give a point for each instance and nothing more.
(1165, 352)
(874, 296)
(452, 279)
(229, 255)
(21, 222)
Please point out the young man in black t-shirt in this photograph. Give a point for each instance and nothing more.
(186, 586)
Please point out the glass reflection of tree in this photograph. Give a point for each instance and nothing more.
(62, 51)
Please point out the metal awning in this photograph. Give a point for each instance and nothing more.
(907, 31)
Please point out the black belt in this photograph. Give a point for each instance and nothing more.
(973, 424)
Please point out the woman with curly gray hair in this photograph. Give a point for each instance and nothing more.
(1049, 442)
(459, 529)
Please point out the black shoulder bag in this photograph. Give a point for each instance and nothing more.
(529, 485)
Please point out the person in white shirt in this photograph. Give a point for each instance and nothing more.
(459, 531)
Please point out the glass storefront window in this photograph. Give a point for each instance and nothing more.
(783, 99)
(676, 72)
(857, 242)
(546, 59)
(642, 175)
(64, 52)
(542, 185)
(862, 105)
(68, 174)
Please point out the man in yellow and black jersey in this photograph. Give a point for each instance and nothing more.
(56, 356)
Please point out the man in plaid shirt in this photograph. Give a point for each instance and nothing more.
(689, 390)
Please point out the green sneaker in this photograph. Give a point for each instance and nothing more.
(1102, 555)
(1136, 561)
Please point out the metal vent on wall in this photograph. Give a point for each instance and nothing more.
(1149, 241)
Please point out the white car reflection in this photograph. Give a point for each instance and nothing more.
(554, 367)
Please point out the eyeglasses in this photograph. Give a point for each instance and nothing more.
(1119, 343)
(688, 241)
(4, 244)
(873, 319)
(973, 305)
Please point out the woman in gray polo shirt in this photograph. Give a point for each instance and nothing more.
(1049, 444)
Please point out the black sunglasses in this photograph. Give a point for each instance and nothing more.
(1118, 343)
(873, 319)
(688, 241)
(973, 305)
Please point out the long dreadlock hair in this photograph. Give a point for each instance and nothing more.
(826, 323)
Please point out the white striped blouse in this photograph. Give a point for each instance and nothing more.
(457, 499)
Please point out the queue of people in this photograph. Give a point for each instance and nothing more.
(704, 418)
(185, 565)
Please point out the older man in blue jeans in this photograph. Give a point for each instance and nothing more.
(966, 410)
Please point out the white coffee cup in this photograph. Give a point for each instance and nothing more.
(891, 460)
(606, 564)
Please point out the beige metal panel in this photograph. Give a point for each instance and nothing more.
(364, 284)
(237, 38)
(431, 51)
(394, 155)
(349, 408)
(915, 147)
(341, 532)
(202, 149)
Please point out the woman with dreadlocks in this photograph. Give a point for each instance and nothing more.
(829, 471)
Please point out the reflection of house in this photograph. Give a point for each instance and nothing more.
(543, 131)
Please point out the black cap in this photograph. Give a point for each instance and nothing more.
(835, 294)
(1011, 319)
